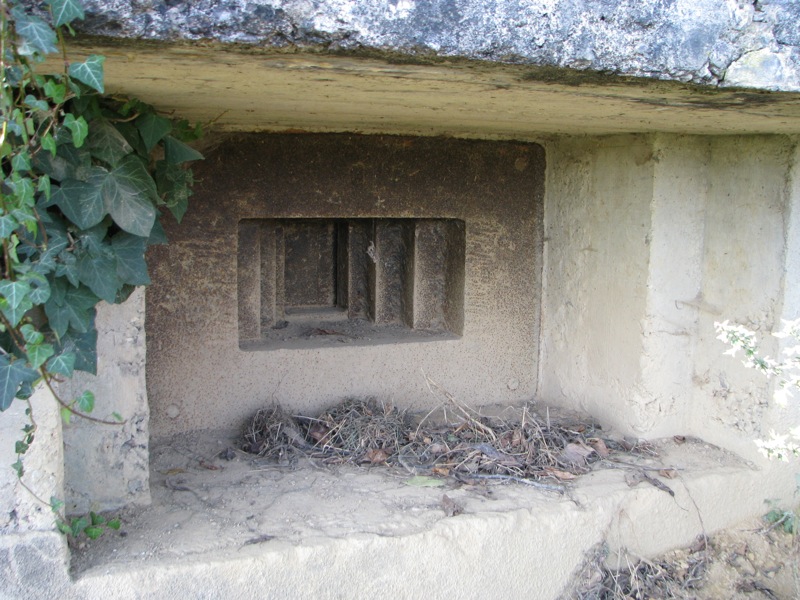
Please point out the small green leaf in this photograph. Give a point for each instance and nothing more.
(93, 532)
(96, 519)
(86, 402)
(35, 35)
(36, 104)
(48, 142)
(177, 152)
(90, 72)
(44, 185)
(65, 11)
(15, 314)
(78, 127)
(66, 414)
(14, 291)
(131, 266)
(106, 143)
(39, 353)
(63, 527)
(12, 375)
(114, 524)
(63, 364)
(21, 162)
(7, 225)
(117, 416)
(78, 525)
(56, 91)
(152, 128)
(19, 468)
(99, 273)
(20, 447)
(31, 334)
(55, 504)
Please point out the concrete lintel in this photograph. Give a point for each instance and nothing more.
(253, 89)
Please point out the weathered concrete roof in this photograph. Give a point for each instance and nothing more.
(718, 42)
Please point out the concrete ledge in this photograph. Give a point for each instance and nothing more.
(522, 543)
(34, 566)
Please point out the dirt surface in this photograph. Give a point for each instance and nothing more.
(209, 497)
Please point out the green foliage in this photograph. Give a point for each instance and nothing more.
(85, 179)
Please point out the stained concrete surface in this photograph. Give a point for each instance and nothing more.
(199, 377)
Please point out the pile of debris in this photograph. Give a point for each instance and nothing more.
(530, 448)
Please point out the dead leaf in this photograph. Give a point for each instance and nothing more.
(209, 466)
(441, 471)
(318, 432)
(599, 446)
(634, 478)
(668, 473)
(376, 456)
(450, 507)
(558, 474)
(173, 471)
(575, 454)
(679, 439)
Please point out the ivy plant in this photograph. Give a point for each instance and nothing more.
(86, 179)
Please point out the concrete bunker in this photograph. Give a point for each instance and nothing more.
(587, 231)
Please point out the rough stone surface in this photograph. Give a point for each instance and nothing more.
(20, 511)
(106, 466)
(34, 566)
(675, 39)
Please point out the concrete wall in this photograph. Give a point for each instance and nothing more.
(107, 466)
(199, 377)
(649, 240)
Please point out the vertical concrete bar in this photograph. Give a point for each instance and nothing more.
(454, 277)
(390, 272)
(360, 269)
(429, 274)
(249, 284)
(268, 274)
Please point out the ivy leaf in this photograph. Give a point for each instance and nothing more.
(152, 128)
(15, 314)
(36, 104)
(31, 334)
(129, 192)
(40, 287)
(93, 532)
(99, 274)
(48, 142)
(36, 36)
(39, 353)
(157, 234)
(21, 162)
(56, 91)
(114, 524)
(86, 402)
(106, 143)
(177, 152)
(7, 225)
(90, 72)
(75, 311)
(12, 375)
(82, 201)
(78, 127)
(66, 11)
(15, 292)
(131, 266)
(84, 347)
(63, 364)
